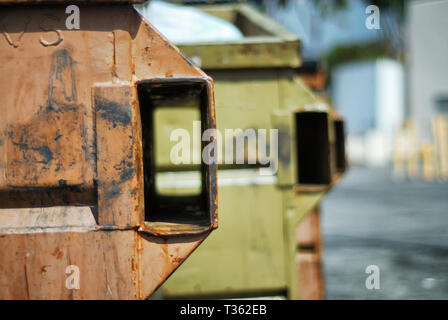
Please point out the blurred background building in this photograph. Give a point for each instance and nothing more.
(371, 96)
(428, 83)
(427, 56)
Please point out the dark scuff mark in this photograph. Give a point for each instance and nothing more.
(126, 169)
(127, 174)
(114, 112)
(61, 108)
(45, 152)
(113, 191)
(61, 83)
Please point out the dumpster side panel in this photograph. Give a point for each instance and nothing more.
(35, 265)
(244, 255)
(62, 142)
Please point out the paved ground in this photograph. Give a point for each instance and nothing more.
(401, 227)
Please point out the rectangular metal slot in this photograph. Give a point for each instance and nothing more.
(162, 205)
(339, 133)
(41, 197)
(313, 148)
(33, 209)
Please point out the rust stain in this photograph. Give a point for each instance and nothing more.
(44, 268)
(57, 253)
(178, 260)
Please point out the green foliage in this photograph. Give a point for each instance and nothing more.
(330, 7)
(358, 51)
(392, 25)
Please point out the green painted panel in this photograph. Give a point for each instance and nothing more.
(246, 253)
(166, 122)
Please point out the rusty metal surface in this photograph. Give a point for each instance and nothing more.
(71, 136)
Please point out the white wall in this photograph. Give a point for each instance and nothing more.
(371, 97)
(390, 95)
(353, 94)
(370, 94)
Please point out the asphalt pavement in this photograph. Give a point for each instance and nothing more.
(401, 227)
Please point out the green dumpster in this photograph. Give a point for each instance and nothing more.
(253, 253)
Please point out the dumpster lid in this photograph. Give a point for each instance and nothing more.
(265, 44)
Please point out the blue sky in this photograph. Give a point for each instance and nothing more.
(320, 34)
